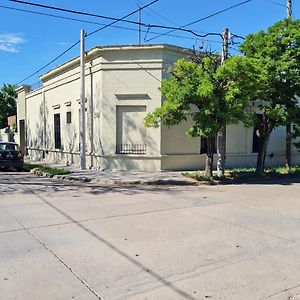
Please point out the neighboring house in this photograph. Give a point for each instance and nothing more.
(122, 86)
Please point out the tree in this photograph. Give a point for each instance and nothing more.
(276, 55)
(200, 91)
(8, 106)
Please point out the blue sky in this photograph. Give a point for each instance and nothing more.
(29, 41)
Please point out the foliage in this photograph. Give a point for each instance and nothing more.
(274, 57)
(200, 176)
(8, 105)
(244, 173)
(199, 91)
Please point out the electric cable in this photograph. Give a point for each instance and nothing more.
(115, 20)
(165, 18)
(76, 43)
(276, 3)
(96, 23)
(202, 19)
(76, 11)
(149, 26)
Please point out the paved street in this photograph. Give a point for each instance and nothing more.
(70, 240)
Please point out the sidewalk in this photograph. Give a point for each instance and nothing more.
(120, 177)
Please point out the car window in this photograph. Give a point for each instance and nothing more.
(9, 147)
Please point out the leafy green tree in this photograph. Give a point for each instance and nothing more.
(275, 53)
(200, 91)
(8, 106)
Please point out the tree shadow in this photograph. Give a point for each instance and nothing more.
(27, 189)
(263, 180)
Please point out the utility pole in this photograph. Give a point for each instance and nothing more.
(82, 103)
(221, 138)
(289, 8)
(139, 25)
(288, 129)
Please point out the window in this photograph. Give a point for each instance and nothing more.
(203, 145)
(69, 117)
(131, 133)
(57, 134)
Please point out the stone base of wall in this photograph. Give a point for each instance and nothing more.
(173, 162)
(113, 162)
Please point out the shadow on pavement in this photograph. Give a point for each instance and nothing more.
(29, 188)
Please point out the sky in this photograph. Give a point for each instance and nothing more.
(29, 41)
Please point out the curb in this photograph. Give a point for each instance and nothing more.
(175, 182)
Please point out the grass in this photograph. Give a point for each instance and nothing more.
(245, 173)
(45, 169)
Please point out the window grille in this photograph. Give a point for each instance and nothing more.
(131, 149)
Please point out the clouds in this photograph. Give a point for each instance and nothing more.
(9, 42)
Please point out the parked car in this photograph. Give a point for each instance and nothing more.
(11, 156)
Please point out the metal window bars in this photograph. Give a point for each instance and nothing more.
(131, 149)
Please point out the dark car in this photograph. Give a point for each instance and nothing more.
(11, 156)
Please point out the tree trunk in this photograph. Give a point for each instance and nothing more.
(263, 144)
(221, 150)
(209, 157)
(288, 148)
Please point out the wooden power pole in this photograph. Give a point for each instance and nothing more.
(289, 8)
(221, 138)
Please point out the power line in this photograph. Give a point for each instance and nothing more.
(111, 25)
(96, 23)
(91, 22)
(56, 16)
(123, 18)
(202, 19)
(276, 3)
(49, 63)
(165, 18)
(149, 26)
(76, 43)
(75, 11)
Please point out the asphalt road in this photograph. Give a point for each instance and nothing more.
(64, 240)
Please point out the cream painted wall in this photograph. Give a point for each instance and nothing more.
(176, 141)
(117, 79)
(35, 120)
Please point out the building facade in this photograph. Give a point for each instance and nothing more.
(121, 86)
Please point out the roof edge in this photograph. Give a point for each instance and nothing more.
(96, 52)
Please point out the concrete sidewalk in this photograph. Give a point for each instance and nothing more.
(120, 177)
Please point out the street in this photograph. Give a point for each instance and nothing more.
(70, 240)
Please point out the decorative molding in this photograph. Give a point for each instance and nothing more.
(133, 97)
(56, 106)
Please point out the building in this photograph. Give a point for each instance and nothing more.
(122, 86)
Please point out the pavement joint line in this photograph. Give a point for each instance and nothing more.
(230, 261)
(110, 245)
(57, 257)
(261, 210)
(282, 291)
(218, 219)
(245, 227)
(97, 219)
